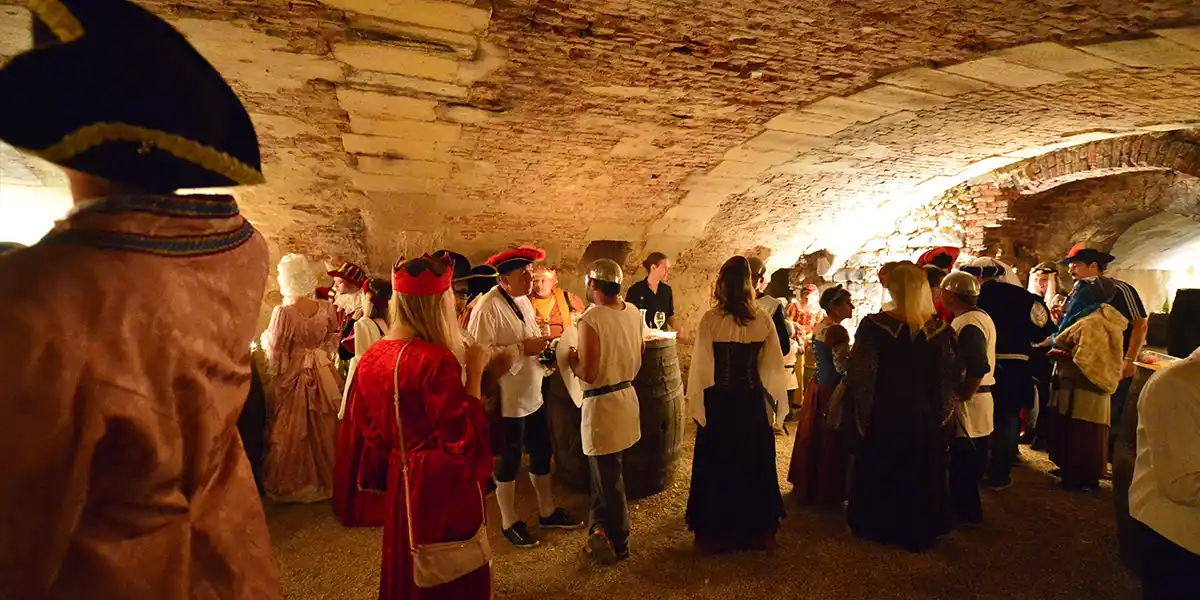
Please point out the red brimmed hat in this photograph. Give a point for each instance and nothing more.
(416, 278)
(1082, 253)
(512, 260)
(350, 272)
(943, 257)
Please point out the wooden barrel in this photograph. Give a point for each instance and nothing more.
(650, 464)
(570, 465)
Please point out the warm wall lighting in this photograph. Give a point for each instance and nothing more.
(27, 213)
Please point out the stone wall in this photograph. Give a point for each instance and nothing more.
(1043, 226)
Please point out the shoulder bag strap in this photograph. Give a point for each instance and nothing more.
(412, 545)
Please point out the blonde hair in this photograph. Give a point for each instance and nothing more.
(296, 278)
(431, 318)
(909, 288)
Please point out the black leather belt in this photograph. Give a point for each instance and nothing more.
(607, 389)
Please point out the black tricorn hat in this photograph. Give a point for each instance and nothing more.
(1082, 253)
(462, 265)
(111, 90)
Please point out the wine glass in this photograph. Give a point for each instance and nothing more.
(660, 318)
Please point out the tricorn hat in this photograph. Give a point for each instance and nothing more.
(113, 91)
(1081, 253)
(985, 267)
(512, 260)
(942, 257)
(462, 265)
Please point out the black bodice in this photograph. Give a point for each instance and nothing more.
(736, 364)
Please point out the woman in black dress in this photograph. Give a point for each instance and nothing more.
(900, 380)
(737, 366)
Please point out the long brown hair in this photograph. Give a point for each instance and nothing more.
(733, 293)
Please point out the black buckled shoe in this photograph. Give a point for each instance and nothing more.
(518, 535)
(559, 519)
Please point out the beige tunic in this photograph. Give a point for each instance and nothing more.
(124, 372)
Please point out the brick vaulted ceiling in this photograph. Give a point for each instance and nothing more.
(702, 128)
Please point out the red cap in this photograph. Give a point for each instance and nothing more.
(423, 282)
(515, 259)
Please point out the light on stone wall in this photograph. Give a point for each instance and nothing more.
(27, 213)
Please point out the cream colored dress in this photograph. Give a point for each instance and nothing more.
(302, 425)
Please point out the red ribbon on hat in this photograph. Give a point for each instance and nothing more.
(425, 283)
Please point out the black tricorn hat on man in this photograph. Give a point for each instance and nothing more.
(113, 91)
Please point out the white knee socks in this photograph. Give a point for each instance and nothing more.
(541, 485)
(506, 497)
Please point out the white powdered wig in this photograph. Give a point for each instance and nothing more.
(296, 278)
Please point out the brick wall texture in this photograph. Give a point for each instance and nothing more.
(702, 128)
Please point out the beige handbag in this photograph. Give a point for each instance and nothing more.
(442, 562)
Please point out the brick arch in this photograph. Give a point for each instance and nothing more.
(1029, 228)
(1173, 151)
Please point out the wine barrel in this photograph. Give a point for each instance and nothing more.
(650, 464)
(570, 465)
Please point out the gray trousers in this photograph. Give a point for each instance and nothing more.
(609, 508)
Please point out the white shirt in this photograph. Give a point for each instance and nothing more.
(366, 333)
(976, 416)
(494, 324)
(1165, 492)
(716, 326)
(789, 361)
(610, 422)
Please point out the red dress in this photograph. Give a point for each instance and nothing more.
(446, 441)
(353, 506)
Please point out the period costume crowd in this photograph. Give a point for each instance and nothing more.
(410, 399)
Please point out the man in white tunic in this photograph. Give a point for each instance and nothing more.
(1165, 493)
(504, 320)
(607, 360)
(973, 408)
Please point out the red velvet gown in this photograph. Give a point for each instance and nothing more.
(353, 506)
(446, 441)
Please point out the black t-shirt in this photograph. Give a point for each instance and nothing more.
(1129, 304)
(972, 346)
(662, 303)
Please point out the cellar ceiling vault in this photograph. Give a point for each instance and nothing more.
(699, 128)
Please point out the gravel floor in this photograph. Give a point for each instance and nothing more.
(1037, 543)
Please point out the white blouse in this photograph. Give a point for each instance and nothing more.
(366, 333)
(715, 327)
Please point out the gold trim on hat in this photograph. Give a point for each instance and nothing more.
(57, 18)
(182, 148)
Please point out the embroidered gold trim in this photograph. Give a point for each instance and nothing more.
(58, 18)
(182, 148)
